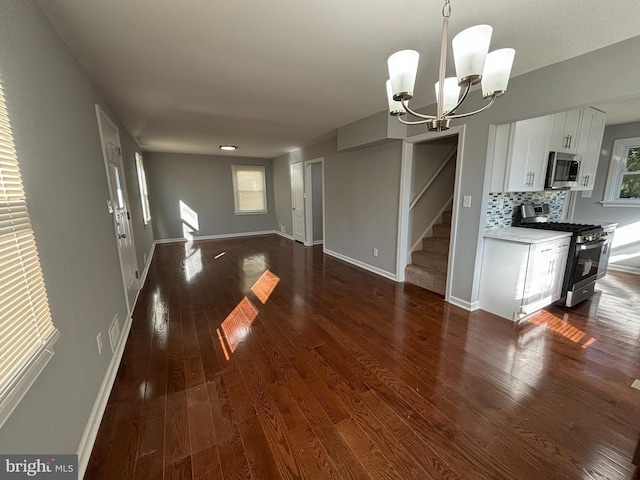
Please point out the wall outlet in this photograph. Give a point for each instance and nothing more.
(282, 228)
(466, 201)
(586, 194)
(375, 252)
(99, 340)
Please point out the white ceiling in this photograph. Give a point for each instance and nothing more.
(274, 75)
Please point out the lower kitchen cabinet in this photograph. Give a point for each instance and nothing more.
(519, 278)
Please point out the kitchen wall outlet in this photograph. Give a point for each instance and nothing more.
(282, 228)
(99, 340)
(586, 194)
(375, 252)
(466, 201)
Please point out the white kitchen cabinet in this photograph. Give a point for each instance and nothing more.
(589, 143)
(527, 154)
(519, 278)
(566, 131)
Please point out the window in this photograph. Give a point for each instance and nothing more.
(27, 333)
(249, 189)
(142, 185)
(623, 182)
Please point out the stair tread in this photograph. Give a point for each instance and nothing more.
(435, 244)
(429, 259)
(426, 278)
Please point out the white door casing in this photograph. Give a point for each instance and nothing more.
(308, 204)
(118, 205)
(405, 200)
(297, 201)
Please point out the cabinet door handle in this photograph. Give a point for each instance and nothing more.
(533, 178)
(570, 139)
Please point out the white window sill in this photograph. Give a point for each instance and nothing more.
(610, 203)
(252, 213)
(18, 389)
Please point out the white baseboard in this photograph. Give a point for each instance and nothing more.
(458, 302)
(145, 272)
(283, 234)
(143, 277)
(362, 265)
(93, 425)
(623, 268)
(216, 237)
(318, 242)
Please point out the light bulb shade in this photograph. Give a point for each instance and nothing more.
(497, 69)
(395, 107)
(451, 93)
(403, 67)
(470, 49)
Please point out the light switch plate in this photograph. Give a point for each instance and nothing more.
(466, 201)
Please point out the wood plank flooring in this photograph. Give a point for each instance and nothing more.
(258, 358)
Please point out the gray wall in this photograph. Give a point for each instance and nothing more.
(541, 92)
(361, 199)
(427, 158)
(627, 243)
(204, 183)
(51, 106)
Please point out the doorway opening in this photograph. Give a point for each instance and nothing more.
(430, 179)
(307, 199)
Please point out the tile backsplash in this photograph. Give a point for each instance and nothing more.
(501, 209)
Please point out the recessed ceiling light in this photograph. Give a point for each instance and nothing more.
(228, 147)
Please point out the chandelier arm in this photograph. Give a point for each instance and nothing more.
(467, 89)
(468, 114)
(418, 122)
(416, 114)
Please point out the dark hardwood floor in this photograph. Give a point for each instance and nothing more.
(258, 358)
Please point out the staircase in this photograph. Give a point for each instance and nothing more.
(429, 265)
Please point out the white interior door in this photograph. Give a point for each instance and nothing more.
(119, 205)
(297, 201)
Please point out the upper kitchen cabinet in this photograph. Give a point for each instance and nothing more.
(519, 151)
(589, 143)
(566, 131)
(524, 155)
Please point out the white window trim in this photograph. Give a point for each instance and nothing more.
(144, 193)
(237, 211)
(616, 170)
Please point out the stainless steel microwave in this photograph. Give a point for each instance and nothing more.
(562, 171)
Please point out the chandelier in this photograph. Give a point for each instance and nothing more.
(473, 65)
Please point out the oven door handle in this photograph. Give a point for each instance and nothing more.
(591, 246)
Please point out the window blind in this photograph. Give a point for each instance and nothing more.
(250, 188)
(142, 185)
(27, 333)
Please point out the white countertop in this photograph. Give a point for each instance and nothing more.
(525, 235)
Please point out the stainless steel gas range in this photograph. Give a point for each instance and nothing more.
(584, 252)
